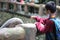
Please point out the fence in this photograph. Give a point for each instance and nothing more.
(23, 8)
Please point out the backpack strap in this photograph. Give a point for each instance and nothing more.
(53, 19)
(56, 21)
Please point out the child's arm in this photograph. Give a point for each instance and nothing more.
(49, 26)
(36, 18)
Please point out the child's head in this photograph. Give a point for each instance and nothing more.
(50, 7)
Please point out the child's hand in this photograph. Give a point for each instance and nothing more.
(32, 17)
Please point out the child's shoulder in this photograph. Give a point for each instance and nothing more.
(47, 20)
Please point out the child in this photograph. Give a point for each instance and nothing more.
(46, 25)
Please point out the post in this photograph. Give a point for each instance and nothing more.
(19, 9)
(40, 10)
(32, 1)
(14, 7)
(26, 8)
(57, 2)
(0, 5)
(7, 6)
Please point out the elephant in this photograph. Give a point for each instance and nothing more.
(28, 29)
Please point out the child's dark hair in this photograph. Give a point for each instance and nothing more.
(51, 6)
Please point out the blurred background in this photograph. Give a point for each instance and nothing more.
(24, 9)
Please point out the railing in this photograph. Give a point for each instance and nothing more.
(17, 7)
